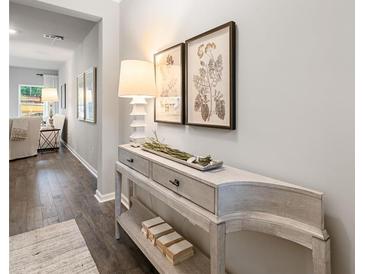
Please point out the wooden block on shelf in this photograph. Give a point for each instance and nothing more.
(158, 231)
(179, 252)
(144, 232)
(150, 223)
(169, 239)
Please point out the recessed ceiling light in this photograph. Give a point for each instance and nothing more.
(53, 36)
(13, 31)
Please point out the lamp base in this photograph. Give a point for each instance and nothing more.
(50, 119)
(138, 124)
(50, 122)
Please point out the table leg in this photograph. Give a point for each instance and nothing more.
(217, 248)
(118, 205)
(129, 192)
(321, 256)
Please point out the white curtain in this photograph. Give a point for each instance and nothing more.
(50, 81)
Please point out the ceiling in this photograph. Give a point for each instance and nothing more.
(28, 48)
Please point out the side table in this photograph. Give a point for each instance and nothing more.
(48, 139)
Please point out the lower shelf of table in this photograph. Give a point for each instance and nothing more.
(131, 221)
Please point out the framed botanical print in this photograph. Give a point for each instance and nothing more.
(81, 97)
(210, 61)
(63, 96)
(61, 92)
(170, 81)
(90, 95)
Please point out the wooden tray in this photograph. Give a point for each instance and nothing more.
(213, 164)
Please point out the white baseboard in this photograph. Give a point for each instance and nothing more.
(92, 170)
(104, 197)
(100, 197)
(109, 197)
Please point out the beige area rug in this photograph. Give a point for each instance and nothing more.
(58, 248)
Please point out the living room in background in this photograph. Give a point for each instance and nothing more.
(86, 48)
(30, 100)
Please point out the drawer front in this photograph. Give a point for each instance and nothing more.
(197, 192)
(133, 161)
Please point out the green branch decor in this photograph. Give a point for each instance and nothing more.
(154, 145)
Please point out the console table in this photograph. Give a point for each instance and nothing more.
(220, 201)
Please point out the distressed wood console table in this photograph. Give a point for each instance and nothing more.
(220, 202)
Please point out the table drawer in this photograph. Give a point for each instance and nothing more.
(133, 161)
(197, 192)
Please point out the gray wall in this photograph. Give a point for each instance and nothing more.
(80, 136)
(19, 76)
(107, 14)
(295, 110)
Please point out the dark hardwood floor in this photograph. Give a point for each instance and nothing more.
(55, 187)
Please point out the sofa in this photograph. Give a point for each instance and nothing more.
(28, 146)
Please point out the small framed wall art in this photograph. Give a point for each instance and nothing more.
(170, 84)
(90, 95)
(210, 90)
(63, 96)
(81, 97)
(86, 96)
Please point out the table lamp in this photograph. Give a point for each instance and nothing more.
(137, 81)
(50, 95)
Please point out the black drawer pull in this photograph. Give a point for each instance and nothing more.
(130, 160)
(175, 182)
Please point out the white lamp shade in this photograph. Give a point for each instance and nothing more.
(137, 78)
(49, 95)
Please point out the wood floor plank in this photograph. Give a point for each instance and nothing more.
(18, 218)
(34, 217)
(48, 207)
(20, 188)
(51, 221)
(54, 187)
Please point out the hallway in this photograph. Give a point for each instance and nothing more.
(55, 187)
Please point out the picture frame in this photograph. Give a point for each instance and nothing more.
(81, 97)
(90, 95)
(210, 60)
(61, 91)
(170, 84)
(63, 96)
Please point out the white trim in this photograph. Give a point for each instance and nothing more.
(102, 198)
(92, 170)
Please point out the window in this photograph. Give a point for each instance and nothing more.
(30, 103)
